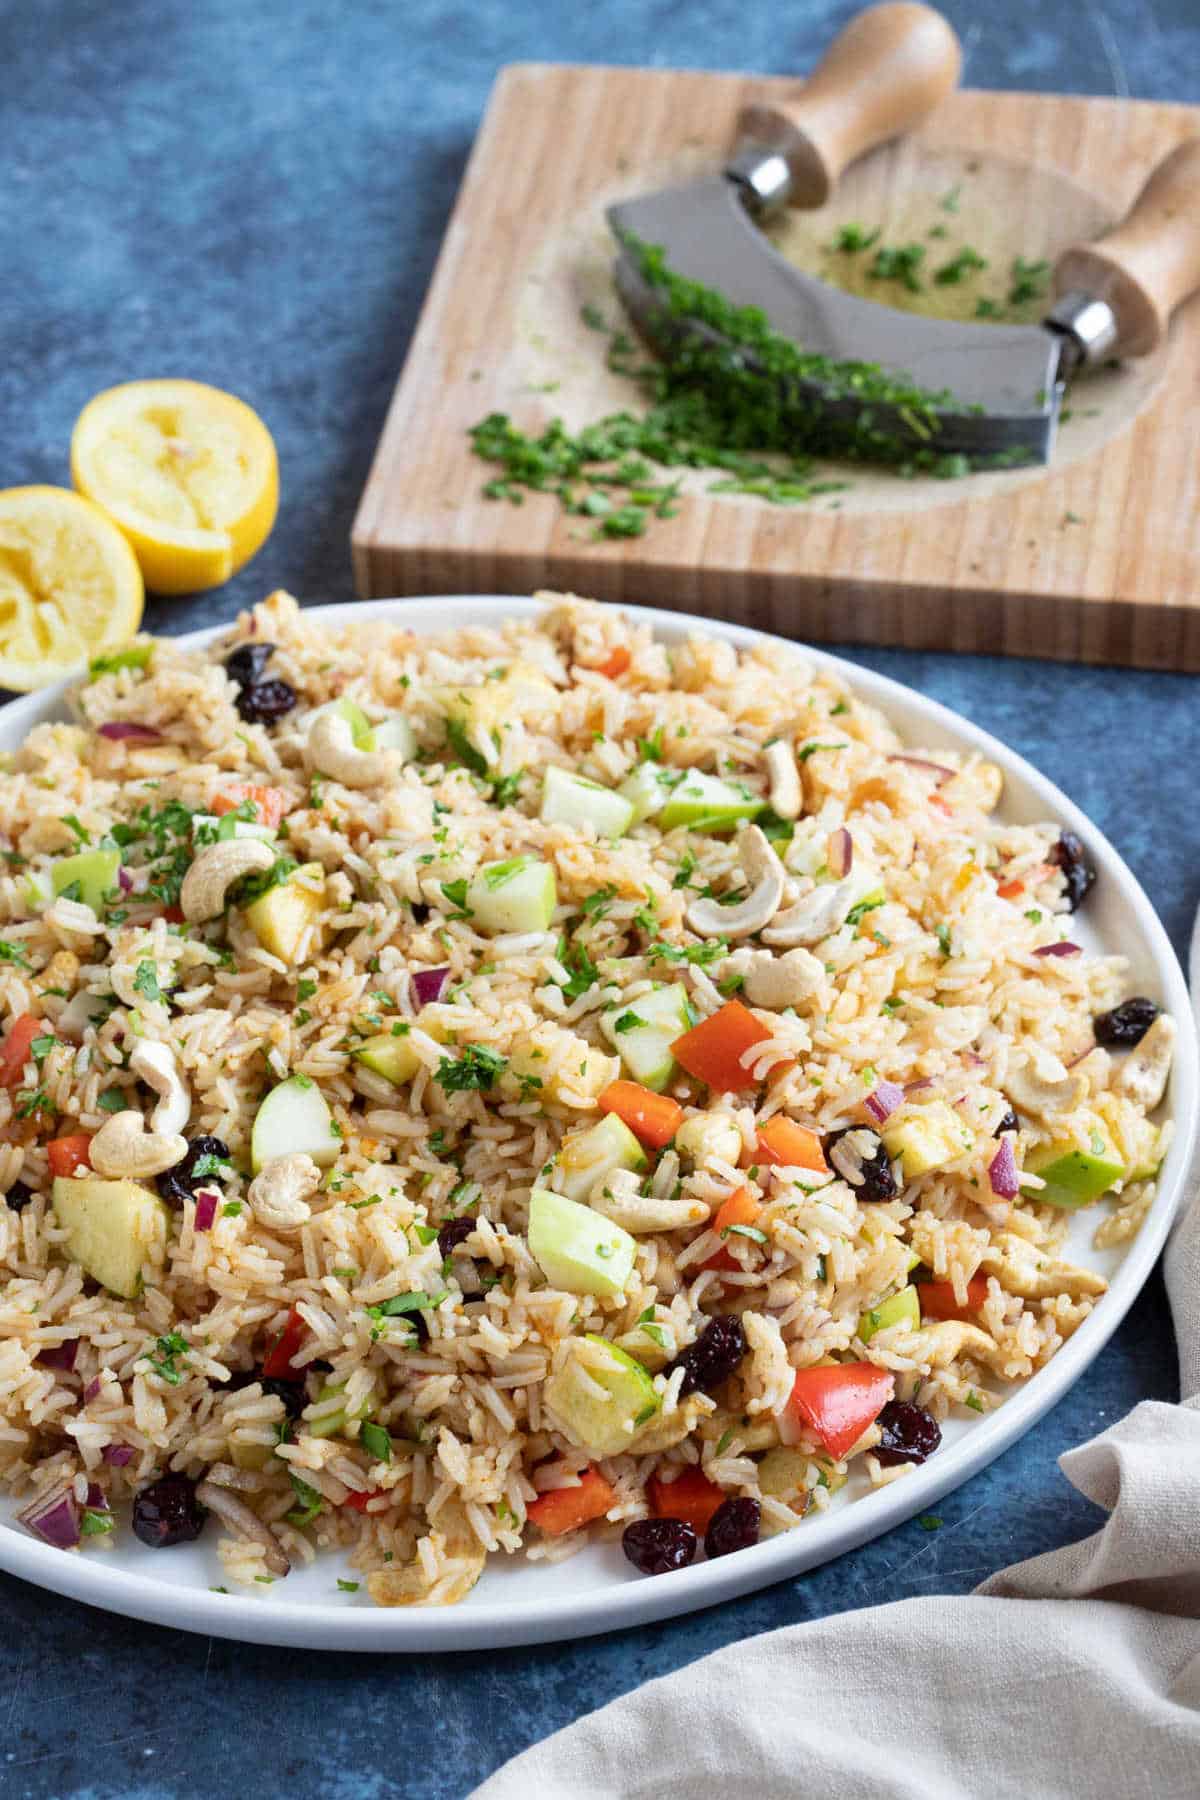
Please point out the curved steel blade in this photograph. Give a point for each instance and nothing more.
(1012, 371)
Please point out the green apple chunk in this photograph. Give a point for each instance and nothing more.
(392, 733)
(602, 1423)
(293, 1118)
(392, 1057)
(517, 895)
(93, 872)
(647, 790)
(903, 1308)
(1073, 1177)
(573, 800)
(577, 1249)
(113, 1228)
(587, 1156)
(927, 1139)
(642, 1031)
(706, 803)
(280, 918)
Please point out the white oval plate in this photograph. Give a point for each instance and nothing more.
(519, 1602)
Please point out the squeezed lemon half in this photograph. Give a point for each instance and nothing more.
(70, 586)
(187, 471)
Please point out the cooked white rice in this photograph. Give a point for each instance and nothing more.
(938, 985)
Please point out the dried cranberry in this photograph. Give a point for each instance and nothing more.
(734, 1526)
(265, 702)
(179, 1184)
(453, 1233)
(18, 1197)
(246, 664)
(910, 1434)
(865, 1156)
(1070, 856)
(713, 1357)
(656, 1546)
(1126, 1024)
(1009, 1122)
(168, 1512)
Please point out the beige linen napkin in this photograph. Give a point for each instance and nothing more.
(1074, 1675)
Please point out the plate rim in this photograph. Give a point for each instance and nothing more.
(631, 1602)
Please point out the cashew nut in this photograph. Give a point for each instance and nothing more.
(330, 750)
(775, 982)
(1142, 1077)
(765, 873)
(616, 1196)
(1043, 1086)
(937, 1345)
(214, 872)
(279, 1196)
(1021, 1269)
(816, 916)
(155, 1064)
(785, 793)
(707, 1137)
(123, 1147)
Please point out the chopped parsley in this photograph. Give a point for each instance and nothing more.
(807, 750)
(697, 955)
(899, 263)
(597, 904)
(376, 1442)
(305, 990)
(1029, 281)
(145, 981)
(347, 1587)
(628, 1021)
(477, 1069)
(959, 267)
(173, 1345)
(853, 237)
(858, 913)
(456, 894)
(942, 934)
(311, 1503)
(13, 953)
(94, 1522)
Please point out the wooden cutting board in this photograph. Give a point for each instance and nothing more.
(1096, 558)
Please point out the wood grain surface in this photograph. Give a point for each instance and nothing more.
(1095, 559)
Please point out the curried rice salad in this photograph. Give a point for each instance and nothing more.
(464, 1094)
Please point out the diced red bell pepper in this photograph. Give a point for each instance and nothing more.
(783, 1143)
(358, 1502)
(741, 1208)
(616, 664)
(837, 1402)
(712, 1051)
(15, 1051)
(938, 1299)
(566, 1509)
(271, 803)
(277, 1363)
(691, 1497)
(69, 1155)
(653, 1118)
(1009, 890)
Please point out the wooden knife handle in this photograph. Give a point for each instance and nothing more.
(881, 76)
(1148, 264)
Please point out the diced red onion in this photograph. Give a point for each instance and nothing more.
(91, 1390)
(923, 762)
(839, 852)
(124, 881)
(60, 1356)
(118, 730)
(119, 1454)
(53, 1517)
(1002, 1170)
(883, 1100)
(915, 1087)
(429, 984)
(206, 1208)
(97, 1499)
(1060, 949)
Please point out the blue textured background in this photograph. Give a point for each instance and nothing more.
(253, 195)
